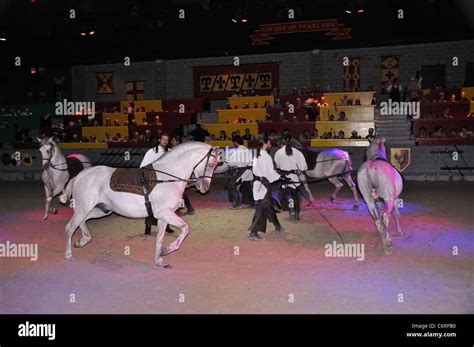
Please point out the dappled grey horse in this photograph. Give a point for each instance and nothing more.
(93, 197)
(329, 163)
(381, 184)
(55, 173)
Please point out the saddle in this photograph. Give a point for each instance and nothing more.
(128, 180)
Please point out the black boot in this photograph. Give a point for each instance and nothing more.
(237, 200)
(254, 236)
(147, 229)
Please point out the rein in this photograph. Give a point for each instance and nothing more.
(50, 164)
(179, 179)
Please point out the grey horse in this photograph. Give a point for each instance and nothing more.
(381, 184)
(329, 163)
(55, 173)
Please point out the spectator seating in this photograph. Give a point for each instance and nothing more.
(335, 98)
(339, 143)
(250, 115)
(295, 128)
(241, 101)
(191, 105)
(83, 145)
(100, 132)
(149, 105)
(223, 144)
(446, 141)
(447, 124)
(297, 99)
(362, 128)
(459, 110)
(353, 113)
(171, 118)
(468, 93)
(301, 114)
(214, 129)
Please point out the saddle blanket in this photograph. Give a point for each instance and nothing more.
(127, 180)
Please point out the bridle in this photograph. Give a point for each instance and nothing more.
(207, 157)
(193, 178)
(49, 163)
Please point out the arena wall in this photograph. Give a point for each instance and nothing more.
(424, 165)
(173, 79)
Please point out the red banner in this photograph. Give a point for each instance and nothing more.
(219, 82)
(267, 31)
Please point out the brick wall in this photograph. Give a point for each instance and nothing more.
(174, 78)
(412, 57)
(295, 70)
(151, 73)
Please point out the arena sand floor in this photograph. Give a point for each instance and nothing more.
(287, 273)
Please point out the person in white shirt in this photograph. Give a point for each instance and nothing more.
(290, 161)
(264, 174)
(240, 164)
(152, 155)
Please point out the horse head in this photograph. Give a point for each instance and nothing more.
(47, 150)
(204, 169)
(376, 149)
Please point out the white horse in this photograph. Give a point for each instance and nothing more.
(93, 197)
(329, 163)
(55, 170)
(380, 182)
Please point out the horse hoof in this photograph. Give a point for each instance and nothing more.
(55, 211)
(333, 199)
(355, 207)
(79, 243)
(388, 249)
(70, 258)
(162, 263)
(44, 219)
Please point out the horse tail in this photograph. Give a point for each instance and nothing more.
(66, 195)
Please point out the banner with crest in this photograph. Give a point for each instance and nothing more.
(390, 69)
(219, 82)
(105, 83)
(351, 75)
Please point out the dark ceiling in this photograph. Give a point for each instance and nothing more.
(41, 32)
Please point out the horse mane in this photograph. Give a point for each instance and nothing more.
(184, 147)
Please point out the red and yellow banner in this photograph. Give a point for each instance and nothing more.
(266, 31)
(105, 83)
(219, 82)
(390, 69)
(351, 75)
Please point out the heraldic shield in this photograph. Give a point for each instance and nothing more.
(400, 158)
